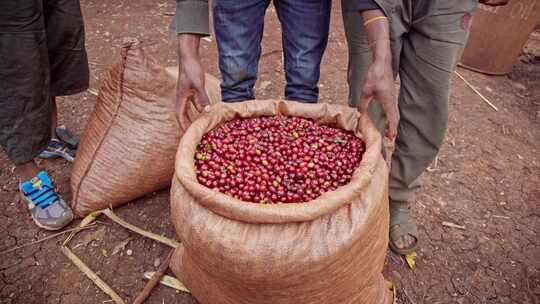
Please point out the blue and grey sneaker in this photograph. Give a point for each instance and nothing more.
(58, 148)
(48, 210)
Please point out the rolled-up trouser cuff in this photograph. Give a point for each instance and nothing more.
(192, 18)
(402, 195)
(355, 6)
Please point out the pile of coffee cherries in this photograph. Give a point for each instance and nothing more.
(277, 159)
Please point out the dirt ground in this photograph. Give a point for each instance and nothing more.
(487, 178)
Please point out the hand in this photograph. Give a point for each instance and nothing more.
(379, 85)
(190, 88)
(494, 2)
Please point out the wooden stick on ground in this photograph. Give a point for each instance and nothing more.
(477, 92)
(145, 293)
(93, 92)
(452, 225)
(92, 275)
(153, 236)
(52, 236)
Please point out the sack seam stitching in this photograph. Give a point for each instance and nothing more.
(113, 119)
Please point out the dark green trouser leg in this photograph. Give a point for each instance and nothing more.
(427, 38)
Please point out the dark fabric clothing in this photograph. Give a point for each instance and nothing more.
(192, 17)
(42, 55)
(68, 60)
(239, 27)
(358, 5)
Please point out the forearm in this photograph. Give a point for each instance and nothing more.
(377, 28)
(188, 46)
(378, 82)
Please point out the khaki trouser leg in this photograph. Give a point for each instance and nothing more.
(427, 38)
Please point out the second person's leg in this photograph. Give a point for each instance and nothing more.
(305, 26)
(68, 61)
(429, 55)
(239, 27)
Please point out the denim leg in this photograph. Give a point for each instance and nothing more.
(305, 26)
(239, 27)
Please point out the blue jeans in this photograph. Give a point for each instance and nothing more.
(239, 28)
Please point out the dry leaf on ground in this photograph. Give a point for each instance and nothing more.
(411, 259)
(168, 281)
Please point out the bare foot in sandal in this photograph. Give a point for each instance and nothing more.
(403, 230)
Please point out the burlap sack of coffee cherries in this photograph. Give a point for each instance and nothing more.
(129, 145)
(329, 250)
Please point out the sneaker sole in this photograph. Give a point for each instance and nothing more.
(50, 155)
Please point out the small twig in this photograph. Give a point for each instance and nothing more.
(529, 292)
(52, 236)
(168, 13)
(153, 236)
(435, 165)
(93, 92)
(95, 63)
(269, 53)
(145, 293)
(424, 294)
(91, 275)
(452, 225)
(392, 289)
(407, 295)
(477, 92)
(504, 130)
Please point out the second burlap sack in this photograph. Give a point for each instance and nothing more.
(330, 250)
(128, 147)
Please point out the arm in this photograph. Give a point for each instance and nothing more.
(379, 81)
(192, 24)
